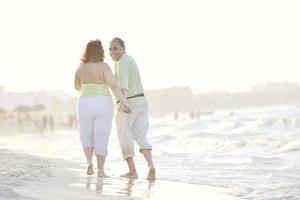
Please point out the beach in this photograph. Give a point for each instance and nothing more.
(250, 153)
(30, 177)
(44, 168)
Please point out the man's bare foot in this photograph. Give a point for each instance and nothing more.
(130, 175)
(90, 170)
(151, 174)
(102, 174)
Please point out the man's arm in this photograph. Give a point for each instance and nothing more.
(125, 92)
(112, 83)
(123, 78)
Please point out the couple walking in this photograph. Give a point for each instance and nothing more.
(93, 78)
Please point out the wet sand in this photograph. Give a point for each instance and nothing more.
(68, 181)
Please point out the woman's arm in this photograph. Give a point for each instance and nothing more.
(77, 84)
(112, 83)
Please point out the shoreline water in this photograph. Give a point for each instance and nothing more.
(250, 153)
(28, 177)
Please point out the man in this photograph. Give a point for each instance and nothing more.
(134, 126)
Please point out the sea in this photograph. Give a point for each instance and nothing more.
(253, 153)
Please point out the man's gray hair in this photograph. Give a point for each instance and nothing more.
(121, 42)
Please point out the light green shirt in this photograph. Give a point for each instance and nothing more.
(128, 77)
(93, 89)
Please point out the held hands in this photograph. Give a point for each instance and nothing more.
(125, 108)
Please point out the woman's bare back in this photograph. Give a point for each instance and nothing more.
(92, 72)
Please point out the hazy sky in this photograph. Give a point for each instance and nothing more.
(208, 45)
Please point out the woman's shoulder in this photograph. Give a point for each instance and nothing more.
(101, 65)
(98, 65)
(106, 66)
(79, 67)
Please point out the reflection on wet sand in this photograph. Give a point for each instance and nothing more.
(120, 186)
(143, 189)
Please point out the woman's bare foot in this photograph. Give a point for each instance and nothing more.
(102, 174)
(90, 170)
(130, 175)
(151, 174)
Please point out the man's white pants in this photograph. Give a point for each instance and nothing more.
(95, 115)
(133, 127)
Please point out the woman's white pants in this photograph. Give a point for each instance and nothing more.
(95, 115)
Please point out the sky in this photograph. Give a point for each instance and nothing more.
(206, 45)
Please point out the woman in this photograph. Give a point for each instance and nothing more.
(93, 78)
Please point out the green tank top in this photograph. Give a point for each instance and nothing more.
(94, 89)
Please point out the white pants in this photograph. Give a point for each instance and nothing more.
(95, 115)
(132, 127)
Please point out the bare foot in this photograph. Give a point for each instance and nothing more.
(130, 175)
(90, 170)
(151, 174)
(102, 174)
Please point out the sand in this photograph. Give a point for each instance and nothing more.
(30, 177)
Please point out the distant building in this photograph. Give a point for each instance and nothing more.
(169, 100)
(54, 100)
(175, 101)
(275, 87)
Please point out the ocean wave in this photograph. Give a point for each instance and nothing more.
(291, 146)
(162, 138)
